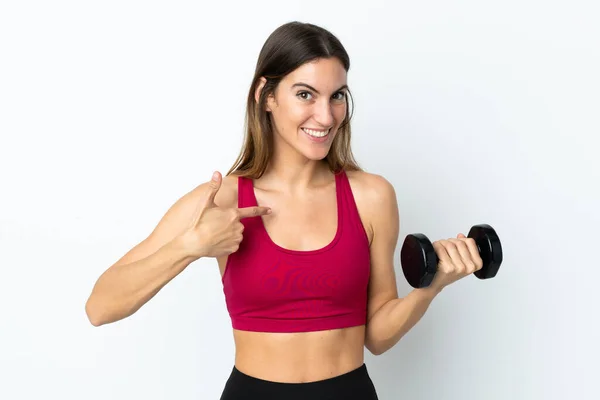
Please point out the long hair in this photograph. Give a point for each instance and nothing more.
(287, 48)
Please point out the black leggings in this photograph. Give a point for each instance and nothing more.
(353, 385)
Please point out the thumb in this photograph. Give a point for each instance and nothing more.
(461, 236)
(213, 188)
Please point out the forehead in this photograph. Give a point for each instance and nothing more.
(323, 74)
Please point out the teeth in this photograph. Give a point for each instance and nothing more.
(314, 133)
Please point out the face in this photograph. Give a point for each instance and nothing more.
(308, 107)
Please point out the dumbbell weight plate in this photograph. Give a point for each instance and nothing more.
(490, 250)
(418, 259)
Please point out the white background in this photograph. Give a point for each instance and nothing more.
(476, 112)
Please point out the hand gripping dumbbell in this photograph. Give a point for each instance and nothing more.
(419, 260)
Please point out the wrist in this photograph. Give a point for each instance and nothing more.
(183, 245)
(430, 292)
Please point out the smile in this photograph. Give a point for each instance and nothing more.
(316, 133)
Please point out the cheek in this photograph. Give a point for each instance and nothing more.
(339, 112)
(292, 115)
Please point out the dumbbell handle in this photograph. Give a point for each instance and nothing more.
(419, 260)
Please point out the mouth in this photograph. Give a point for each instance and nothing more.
(319, 134)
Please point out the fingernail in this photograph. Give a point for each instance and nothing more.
(215, 176)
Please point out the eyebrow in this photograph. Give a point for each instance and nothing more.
(315, 90)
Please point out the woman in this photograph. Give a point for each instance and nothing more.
(304, 238)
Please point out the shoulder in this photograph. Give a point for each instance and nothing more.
(225, 197)
(228, 193)
(179, 214)
(373, 187)
(376, 201)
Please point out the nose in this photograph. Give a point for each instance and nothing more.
(324, 114)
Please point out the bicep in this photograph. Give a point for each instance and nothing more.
(384, 223)
(178, 217)
(171, 224)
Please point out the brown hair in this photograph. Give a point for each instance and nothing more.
(286, 49)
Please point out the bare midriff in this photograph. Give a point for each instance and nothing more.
(299, 357)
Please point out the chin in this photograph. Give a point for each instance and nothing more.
(316, 155)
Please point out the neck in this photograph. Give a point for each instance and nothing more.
(293, 171)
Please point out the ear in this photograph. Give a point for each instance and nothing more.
(258, 91)
(259, 88)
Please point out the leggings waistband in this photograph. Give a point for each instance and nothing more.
(355, 384)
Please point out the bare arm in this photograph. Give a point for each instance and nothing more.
(390, 317)
(140, 274)
(203, 223)
(125, 288)
(396, 317)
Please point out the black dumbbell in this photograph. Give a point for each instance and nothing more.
(419, 260)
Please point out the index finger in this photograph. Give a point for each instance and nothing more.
(247, 212)
(475, 256)
(442, 253)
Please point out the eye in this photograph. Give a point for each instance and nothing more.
(339, 96)
(304, 95)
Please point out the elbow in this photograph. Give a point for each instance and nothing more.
(375, 351)
(376, 348)
(94, 312)
(102, 310)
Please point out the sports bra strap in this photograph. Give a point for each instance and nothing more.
(246, 196)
